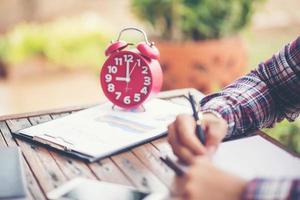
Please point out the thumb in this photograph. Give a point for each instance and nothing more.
(212, 145)
(212, 141)
(213, 138)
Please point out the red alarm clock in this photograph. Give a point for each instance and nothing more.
(130, 76)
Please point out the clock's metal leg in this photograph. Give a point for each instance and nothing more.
(141, 108)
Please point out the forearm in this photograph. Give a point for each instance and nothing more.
(272, 189)
(266, 95)
(239, 106)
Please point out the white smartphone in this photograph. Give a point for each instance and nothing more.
(85, 189)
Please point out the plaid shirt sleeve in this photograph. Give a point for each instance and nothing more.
(263, 97)
(272, 189)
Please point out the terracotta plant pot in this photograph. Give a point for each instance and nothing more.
(204, 65)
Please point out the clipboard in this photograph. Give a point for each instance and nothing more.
(60, 146)
(64, 150)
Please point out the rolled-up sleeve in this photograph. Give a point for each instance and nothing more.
(263, 97)
(282, 189)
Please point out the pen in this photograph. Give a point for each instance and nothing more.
(199, 131)
(179, 171)
(168, 161)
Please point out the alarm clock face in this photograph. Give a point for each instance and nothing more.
(126, 79)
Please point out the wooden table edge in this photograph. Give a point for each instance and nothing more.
(162, 95)
(43, 112)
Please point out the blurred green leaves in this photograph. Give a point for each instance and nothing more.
(69, 42)
(26, 40)
(288, 133)
(195, 19)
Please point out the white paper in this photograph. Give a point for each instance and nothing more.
(101, 130)
(251, 157)
(256, 157)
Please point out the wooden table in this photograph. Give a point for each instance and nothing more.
(45, 169)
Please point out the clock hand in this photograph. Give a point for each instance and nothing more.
(128, 80)
(127, 72)
(121, 79)
(132, 69)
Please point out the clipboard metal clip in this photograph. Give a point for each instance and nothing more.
(53, 144)
(58, 138)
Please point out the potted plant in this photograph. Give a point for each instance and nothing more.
(197, 39)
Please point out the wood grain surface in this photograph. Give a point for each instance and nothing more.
(46, 170)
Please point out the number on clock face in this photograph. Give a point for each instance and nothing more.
(126, 79)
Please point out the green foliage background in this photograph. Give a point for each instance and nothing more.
(66, 43)
(195, 19)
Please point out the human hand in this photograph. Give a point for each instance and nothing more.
(183, 139)
(202, 180)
